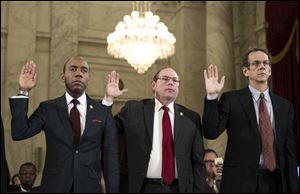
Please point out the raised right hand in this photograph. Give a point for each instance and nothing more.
(28, 76)
(112, 87)
(213, 87)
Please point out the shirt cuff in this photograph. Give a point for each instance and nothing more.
(19, 97)
(106, 103)
(211, 97)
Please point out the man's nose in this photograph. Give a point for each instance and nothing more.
(78, 73)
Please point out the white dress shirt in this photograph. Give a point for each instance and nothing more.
(81, 106)
(155, 162)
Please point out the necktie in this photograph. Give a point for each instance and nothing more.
(267, 136)
(167, 172)
(75, 121)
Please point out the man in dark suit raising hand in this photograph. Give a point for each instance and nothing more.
(79, 132)
(163, 141)
(259, 154)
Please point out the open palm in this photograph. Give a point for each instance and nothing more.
(112, 89)
(28, 76)
(213, 86)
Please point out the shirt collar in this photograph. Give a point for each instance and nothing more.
(24, 190)
(255, 93)
(81, 99)
(158, 106)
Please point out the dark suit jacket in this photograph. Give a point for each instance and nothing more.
(235, 112)
(136, 121)
(3, 162)
(66, 163)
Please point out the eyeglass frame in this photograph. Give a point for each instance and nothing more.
(256, 63)
(167, 79)
(210, 162)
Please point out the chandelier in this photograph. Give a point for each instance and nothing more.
(141, 39)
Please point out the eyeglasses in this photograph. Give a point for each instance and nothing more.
(167, 79)
(209, 162)
(256, 63)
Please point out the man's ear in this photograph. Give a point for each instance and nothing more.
(62, 76)
(153, 84)
(245, 71)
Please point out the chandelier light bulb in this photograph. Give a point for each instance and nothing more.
(141, 39)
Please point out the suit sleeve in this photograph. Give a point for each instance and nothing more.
(215, 117)
(110, 155)
(291, 168)
(198, 165)
(121, 119)
(22, 127)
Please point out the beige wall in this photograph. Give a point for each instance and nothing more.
(50, 32)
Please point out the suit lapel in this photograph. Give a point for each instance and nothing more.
(178, 123)
(149, 118)
(62, 109)
(89, 114)
(247, 104)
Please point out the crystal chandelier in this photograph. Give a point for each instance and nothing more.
(141, 38)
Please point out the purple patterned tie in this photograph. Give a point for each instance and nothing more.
(267, 136)
(167, 172)
(75, 121)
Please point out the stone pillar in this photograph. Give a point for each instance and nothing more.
(64, 41)
(189, 58)
(21, 42)
(220, 51)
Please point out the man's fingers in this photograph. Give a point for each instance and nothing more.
(32, 68)
(209, 71)
(26, 68)
(117, 78)
(123, 91)
(222, 81)
(23, 69)
(113, 76)
(34, 77)
(205, 74)
(107, 78)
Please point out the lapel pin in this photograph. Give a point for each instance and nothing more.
(181, 114)
(91, 107)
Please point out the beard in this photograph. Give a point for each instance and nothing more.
(75, 89)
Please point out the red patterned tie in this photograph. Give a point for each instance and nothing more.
(75, 121)
(167, 172)
(267, 136)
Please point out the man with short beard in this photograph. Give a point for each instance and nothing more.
(79, 132)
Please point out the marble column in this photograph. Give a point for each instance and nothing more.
(64, 41)
(220, 51)
(189, 60)
(21, 42)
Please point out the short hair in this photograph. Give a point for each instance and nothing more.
(246, 63)
(155, 77)
(78, 57)
(13, 178)
(28, 164)
(210, 151)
